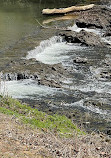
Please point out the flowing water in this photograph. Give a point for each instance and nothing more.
(85, 96)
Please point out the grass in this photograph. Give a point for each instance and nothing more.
(56, 123)
(47, 143)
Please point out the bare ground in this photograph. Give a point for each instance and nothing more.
(20, 141)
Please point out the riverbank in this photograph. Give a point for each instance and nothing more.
(21, 135)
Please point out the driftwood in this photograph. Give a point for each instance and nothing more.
(67, 10)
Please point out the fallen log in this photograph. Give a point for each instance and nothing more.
(67, 10)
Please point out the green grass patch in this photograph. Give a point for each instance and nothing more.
(41, 120)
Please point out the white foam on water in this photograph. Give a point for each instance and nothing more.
(96, 110)
(77, 29)
(52, 51)
(94, 86)
(78, 103)
(107, 40)
(95, 71)
(89, 108)
(109, 6)
(25, 89)
(67, 81)
(108, 56)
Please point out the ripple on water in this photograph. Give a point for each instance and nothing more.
(94, 86)
(90, 108)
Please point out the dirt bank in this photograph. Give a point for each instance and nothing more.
(18, 140)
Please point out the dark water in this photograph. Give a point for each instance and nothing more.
(20, 33)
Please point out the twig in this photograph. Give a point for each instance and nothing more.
(63, 29)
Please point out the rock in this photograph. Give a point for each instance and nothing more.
(98, 17)
(50, 83)
(43, 74)
(86, 123)
(105, 75)
(82, 24)
(93, 103)
(80, 60)
(108, 33)
(20, 76)
(83, 38)
(108, 132)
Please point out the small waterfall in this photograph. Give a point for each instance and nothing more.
(53, 51)
(43, 45)
(3, 81)
(77, 29)
(18, 76)
(8, 76)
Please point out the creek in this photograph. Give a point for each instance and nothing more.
(84, 97)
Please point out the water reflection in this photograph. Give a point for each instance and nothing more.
(17, 19)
